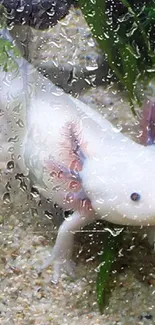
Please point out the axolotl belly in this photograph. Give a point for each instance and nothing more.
(77, 158)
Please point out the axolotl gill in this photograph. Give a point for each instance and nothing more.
(77, 158)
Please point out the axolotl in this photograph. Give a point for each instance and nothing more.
(77, 158)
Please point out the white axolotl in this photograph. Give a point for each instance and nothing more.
(78, 159)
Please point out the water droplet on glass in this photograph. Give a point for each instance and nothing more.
(14, 139)
(114, 232)
(118, 129)
(151, 70)
(48, 215)
(17, 109)
(6, 198)
(55, 205)
(92, 14)
(8, 186)
(53, 3)
(19, 176)
(68, 217)
(43, 88)
(56, 188)
(69, 197)
(92, 67)
(51, 13)
(57, 92)
(124, 17)
(1, 112)
(106, 36)
(10, 165)
(34, 212)
(23, 185)
(34, 192)
(20, 9)
(132, 30)
(10, 26)
(10, 149)
(20, 123)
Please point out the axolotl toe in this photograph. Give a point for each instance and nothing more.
(78, 159)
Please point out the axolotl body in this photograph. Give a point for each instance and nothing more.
(77, 158)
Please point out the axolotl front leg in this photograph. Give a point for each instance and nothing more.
(74, 198)
(61, 256)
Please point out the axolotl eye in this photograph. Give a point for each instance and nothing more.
(135, 196)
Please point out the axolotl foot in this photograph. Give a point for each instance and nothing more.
(60, 265)
(62, 252)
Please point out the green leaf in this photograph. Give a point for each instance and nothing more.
(126, 37)
(108, 257)
(7, 50)
(95, 14)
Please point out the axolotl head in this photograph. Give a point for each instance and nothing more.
(121, 188)
(117, 180)
(119, 185)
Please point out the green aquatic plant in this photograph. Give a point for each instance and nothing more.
(112, 242)
(6, 60)
(125, 32)
(7, 49)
